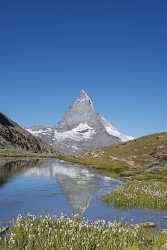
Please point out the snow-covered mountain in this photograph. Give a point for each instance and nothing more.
(77, 184)
(111, 130)
(81, 129)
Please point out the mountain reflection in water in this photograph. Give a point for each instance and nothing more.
(53, 187)
(77, 184)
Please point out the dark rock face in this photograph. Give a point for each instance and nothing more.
(12, 136)
(81, 129)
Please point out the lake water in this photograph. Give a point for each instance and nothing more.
(53, 187)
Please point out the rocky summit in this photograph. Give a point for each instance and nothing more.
(81, 129)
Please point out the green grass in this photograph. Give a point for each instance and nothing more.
(135, 194)
(141, 151)
(132, 158)
(64, 233)
(113, 168)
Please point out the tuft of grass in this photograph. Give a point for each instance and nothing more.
(72, 233)
(136, 194)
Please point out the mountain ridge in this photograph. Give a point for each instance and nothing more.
(14, 137)
(81, 129)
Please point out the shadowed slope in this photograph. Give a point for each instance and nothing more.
(14, 137)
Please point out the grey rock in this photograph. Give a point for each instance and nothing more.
(81, 129)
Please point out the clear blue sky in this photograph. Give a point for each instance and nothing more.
(116, 50)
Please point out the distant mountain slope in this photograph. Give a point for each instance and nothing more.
(143, 151)
(81, 129)
(14, 137)
(148, 153)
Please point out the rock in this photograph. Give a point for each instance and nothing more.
(129, 178)
(165, 218)
(3, 231)
(149, 224)
(163, 231)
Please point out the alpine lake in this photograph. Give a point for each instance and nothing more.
(55, 187)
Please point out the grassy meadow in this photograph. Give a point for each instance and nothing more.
(142, 159)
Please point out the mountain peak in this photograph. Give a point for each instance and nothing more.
(83, 94)
(81, 128)
(84, 98)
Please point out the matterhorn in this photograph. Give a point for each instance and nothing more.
(80, 130)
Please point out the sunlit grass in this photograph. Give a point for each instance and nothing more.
(131, 159)
(139, 194)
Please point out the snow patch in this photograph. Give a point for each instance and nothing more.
(111, 130)
(79, 133)
(38, 132)
(82, 132)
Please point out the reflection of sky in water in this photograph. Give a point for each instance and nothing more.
(53, 187)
